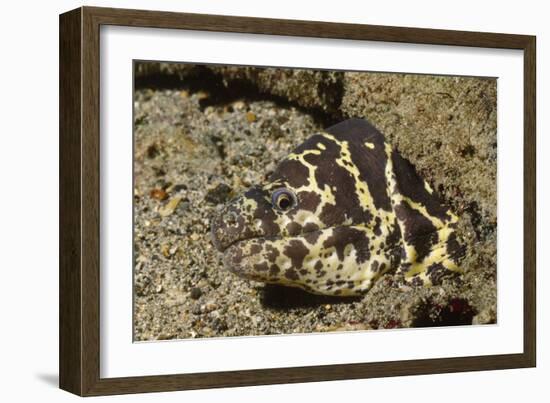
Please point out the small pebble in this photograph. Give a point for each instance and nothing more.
(169, 207)
(184, 205)
(219, 325)
(202, 95)
(209, 306)
(152, 151)
(239, 105)
(196, 293)
(178, 187)
(218, 194)
(251, 117)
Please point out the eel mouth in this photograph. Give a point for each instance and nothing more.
(241, 258)
(222, 246)
(241, 242)
(236, 261)
(242, 255)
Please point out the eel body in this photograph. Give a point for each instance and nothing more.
(338, 212)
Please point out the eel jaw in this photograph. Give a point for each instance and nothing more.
(239, 263)
(307, 262)
(251, 267)
(256, 259)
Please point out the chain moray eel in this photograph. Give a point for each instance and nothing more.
(338, 212)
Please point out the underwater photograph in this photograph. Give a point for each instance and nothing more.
(272, 201)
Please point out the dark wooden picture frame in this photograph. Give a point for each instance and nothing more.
(79, 347)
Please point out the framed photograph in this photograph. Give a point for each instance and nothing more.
(249, 201)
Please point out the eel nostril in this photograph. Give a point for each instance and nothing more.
(231, 218)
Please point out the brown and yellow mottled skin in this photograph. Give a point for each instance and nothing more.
(341, 210)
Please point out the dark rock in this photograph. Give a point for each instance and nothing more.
(457, 312)
(196, 293)
(219, 194)
(152, 151)
(178, 187)
(219, 324)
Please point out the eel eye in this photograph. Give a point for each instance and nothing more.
(283, 199)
